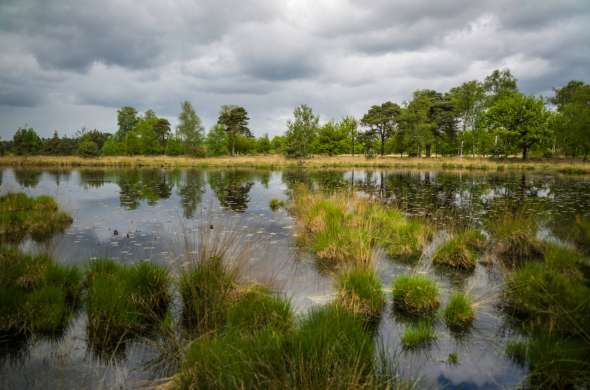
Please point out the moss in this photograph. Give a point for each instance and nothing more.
(415, 294)
(276, 204)
(418, 335)
(207, 289)
(359, 290)
(22, 216)
(459, 313)
(460, 251)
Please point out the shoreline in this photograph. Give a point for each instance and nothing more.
(278, 161)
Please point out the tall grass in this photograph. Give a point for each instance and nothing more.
(22, 216)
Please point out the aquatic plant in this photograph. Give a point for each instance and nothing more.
(257, 309)
(359, 290)
(36, 294)
(516, 239)
(124, 300)
(207, 288)
(459, 313)
(276, 204)
(415, 294)
(418, 335)
(460, 251)
(22, 216)
(453, 358)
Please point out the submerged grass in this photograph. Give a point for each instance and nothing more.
(124, 301)
(415, 294)
(418, 335)
(22, 216)
(459, 313)
(460, 251)
(359, 291)
(36, 294)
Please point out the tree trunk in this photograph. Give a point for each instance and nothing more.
(382, 144)
(427, 150)
(524, 152)
(233, 145)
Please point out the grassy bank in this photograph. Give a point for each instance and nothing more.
(272, 161)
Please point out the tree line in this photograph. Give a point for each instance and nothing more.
(477, 118)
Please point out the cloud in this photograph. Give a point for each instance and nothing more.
(68, 64)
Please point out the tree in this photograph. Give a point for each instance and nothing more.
(349, 125)
(127, 119)
(332, 139)
(235, 119)
(499, 84)
(468, 100)
(263, 144)
(217, 141)
(88, 148)
(190, 129)
(301, 132)
(573, 121)
(162, 129)
(382, 120)
(521, 120)
(26, 141)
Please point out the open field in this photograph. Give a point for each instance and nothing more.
(271, 161)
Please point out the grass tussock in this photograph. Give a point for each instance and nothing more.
(415, 295)
(36, 294)
(359, 291)
(123, 301)
(459, 313)
(515, 234)
(343, 229)
(418, 335)
(22, 216)
(276, 204)
(460, 252)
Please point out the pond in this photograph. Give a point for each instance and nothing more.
(131, 215)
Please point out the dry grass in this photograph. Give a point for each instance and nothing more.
(270, 161)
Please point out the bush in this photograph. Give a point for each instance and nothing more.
(359, 290)
(459, 313)
(415, 294)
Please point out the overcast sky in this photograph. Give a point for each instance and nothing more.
(66, 64)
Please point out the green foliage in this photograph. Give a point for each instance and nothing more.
(415, 294)
(276, 204)
(332, 139)
(418, 335)
(207, 289)
(127, 119)
(88, 149)
(359, 291)
(460, 251)
(301, 132)
(572, 122)
(381, 121)
(26, 141)
(235, 121)
(22, 216)
(459, 313)
(190, 130)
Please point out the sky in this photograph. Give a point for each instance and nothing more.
(68, 64)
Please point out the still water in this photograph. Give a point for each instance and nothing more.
(151, 214)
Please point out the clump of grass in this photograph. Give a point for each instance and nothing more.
(460, 251)
(276, 204)
(551, 295)
(453, 358)
(418, 335)
(516, 237)
(207, 288)
(415, 294)
(36, 294)
(517, 351)
(359, 290)
(257, 309)
(22, 216)
(123, 301)
(459, 313)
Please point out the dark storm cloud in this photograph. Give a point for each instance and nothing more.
(65, 60)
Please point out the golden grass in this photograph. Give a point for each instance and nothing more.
(271, 161)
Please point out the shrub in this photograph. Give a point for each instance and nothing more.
(459, 313)
(207, 289)
(460, 251)
(418, 335)
(359, 290)
(415, 294)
